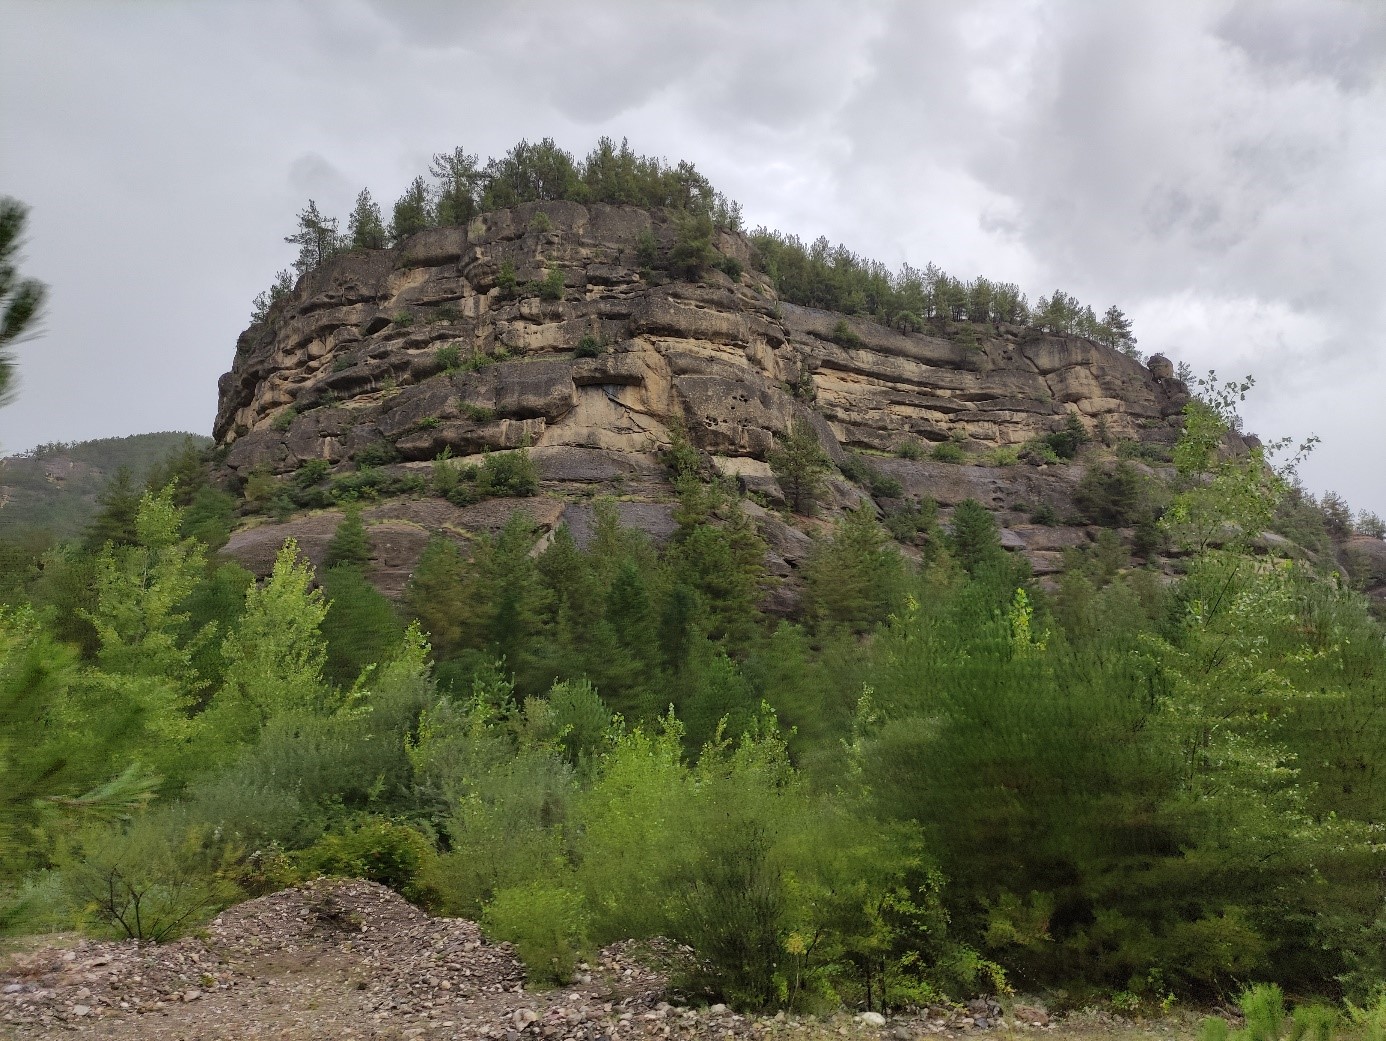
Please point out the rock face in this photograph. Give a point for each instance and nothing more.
(448, 344)
(355, 354)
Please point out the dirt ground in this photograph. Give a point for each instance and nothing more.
(352, 960)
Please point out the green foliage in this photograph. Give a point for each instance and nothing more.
(973, 536)
(550, 287)
(365, 226)
(375, 848)
(360, 626)
(1066, 441)
(844, 335)
(21, 299)
(547, 925)
(856, 469)
(799, 463)
(855, 579)
(317, 239)
(378, 453)
(948, 452)
(589, 347)
(411, 213)
(152, 879)
(508, 473)
(448, 358)
(350, 544)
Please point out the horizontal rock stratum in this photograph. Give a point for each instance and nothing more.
(461, 341)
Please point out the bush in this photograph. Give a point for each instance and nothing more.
(647, 250)
(910, 449)
(152, 879)
(449, 358)
(404, 319)
(1066, 441)
(948, 452)
(551, 288)
(378, 453)
(1005, 455)
(540, 222)
(844, 335)
(285, 419)
(588, 347)
(508, 473)
(376, 849)
(731, 267)
(547, 924)
(506, 282)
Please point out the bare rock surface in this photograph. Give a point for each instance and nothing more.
(339, 959)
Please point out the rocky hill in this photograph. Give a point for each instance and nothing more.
(57, 488)
(571, 329)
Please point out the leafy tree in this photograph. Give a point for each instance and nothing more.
(799, 463)
(365, 227)
(411, 213)
(274, 657)
(317, 238)
(280, 289)
(21, 299)
(115, 521)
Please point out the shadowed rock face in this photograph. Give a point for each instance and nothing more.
(367, 350)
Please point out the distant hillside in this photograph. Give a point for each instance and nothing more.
(56, 487)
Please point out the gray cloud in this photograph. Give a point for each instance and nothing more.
(1213, 167)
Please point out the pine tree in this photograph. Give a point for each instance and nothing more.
(855, 578)
(317, 238)
(360, 627)
(1115, 332)
(437, 596)
(411, 213)
(365, 228)
(350, 544)
(21, 299)
(974, 539)
(799, 463)
(459, 187)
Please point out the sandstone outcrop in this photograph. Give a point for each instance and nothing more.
(448, 344)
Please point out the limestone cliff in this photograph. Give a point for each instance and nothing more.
(456, 342)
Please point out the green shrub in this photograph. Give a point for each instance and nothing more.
(152, 879)
(551, 287)
(343, 363)
(1263, 1008)
(844, 335)
(449, 358)
(540, 222)
(376, 849)
(311, 472)
(910, 449)
(446, 313)
(428, 423)
(1315, 1022)
(547, 924)
(948, 452)
(589, 347)
(508, 473)
(731, 267)
(285, 419)
(506, 282)
(378, 453)
(404, 319)
(476, 413)
(1066, 441)
(646, 249)
(1005, 455)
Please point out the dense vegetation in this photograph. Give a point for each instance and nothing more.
(940, 778)
(460, 187)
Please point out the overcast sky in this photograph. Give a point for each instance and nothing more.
(1216, 169)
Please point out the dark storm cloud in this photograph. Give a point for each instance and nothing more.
(1214, 168)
